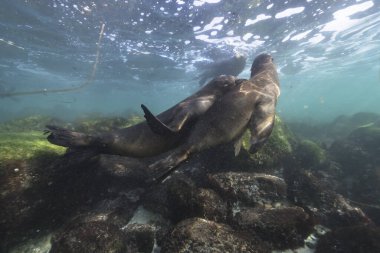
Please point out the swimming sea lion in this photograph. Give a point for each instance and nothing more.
(233, 66)
(142, 140)
(250, 105)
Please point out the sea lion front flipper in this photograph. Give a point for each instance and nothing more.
(155, 124)
(261, 125)
(237, 145)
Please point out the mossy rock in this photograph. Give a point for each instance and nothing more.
(26, 145)
(310, 154)
(367, 136)
(279, 145)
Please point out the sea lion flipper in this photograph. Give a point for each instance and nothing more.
(261, 126)
(162, 168)
(67, 138)
(155, 124)
(237, 145)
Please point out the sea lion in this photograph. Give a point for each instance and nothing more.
(143, 140)
(232, 66)
(249, 105)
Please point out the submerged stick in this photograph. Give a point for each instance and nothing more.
(88, 81)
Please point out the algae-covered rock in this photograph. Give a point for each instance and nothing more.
(94, 236)
(344, 125)
(282, 227)
(186, 200)
(251, 188)
(310, 154)
(201, 236)
(358, 156)
(315, 195)
(359, 152)
(279, 145)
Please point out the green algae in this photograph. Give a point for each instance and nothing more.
(23, 138)
(26, 145)
(311, 154)
(279, 144)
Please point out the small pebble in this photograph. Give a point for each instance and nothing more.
(16, 169)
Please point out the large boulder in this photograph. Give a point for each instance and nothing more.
(92, 236)
(250, 188)
(187, 200)
(282, 227)
(358, 156)
(325, 205)
(198, 235)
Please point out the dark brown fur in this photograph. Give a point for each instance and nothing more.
(139, 140)
(250, 105)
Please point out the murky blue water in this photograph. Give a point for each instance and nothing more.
(327, 53)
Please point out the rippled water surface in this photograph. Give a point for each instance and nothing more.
(327, 53)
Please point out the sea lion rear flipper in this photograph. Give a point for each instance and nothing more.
(164, 167)
(155, 124)
(67, 138)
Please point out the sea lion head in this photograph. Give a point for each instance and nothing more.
(260, 63)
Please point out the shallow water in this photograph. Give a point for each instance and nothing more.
(65, 60)
(327, 53)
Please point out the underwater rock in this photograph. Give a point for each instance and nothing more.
(344, 125)
(147, 226)
(358, 155)
(141, 236)
(359, 150)
(41, 196)
(198, 235)
(316, 197)
(351, 239)
(310, 154)
(99, 230)
(156, 197)
(282, 227)
(127, 169)
(340, 128)
(251, 188)
(186, 200)
(93, 236)
(117, 211)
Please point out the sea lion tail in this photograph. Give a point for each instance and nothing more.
(66, 138)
